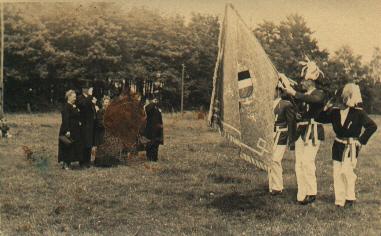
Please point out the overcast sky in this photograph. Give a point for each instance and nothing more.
(356, 23)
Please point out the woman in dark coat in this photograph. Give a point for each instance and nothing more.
(99, 131)
(102, 141)
(70, 128)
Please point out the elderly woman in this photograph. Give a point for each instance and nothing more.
(69, 146)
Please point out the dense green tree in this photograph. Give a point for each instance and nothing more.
(375, 78)
(201, 55)
(288, 43)
(52, 47)
(291, 40)
(375, 65)
(349, 68)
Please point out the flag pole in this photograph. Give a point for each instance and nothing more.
(2, 62)
(182, 89)
(217, 65)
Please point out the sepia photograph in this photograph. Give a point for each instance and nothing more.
(190, 117)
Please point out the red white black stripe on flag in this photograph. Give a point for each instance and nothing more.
(245, 84)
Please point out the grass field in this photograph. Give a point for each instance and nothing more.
(199, 187)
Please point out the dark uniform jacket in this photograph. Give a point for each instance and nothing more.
(88, 115)
(285, 119)
(355, 121)
(70, 123)
(154, 124)
(310, 105)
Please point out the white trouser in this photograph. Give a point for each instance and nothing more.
(276, 171)
(305, 168)
(344, 179)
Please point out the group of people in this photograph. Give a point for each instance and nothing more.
(83, 130)
(300, 114)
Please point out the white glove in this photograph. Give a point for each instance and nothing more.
(67, 134)
(284, 81)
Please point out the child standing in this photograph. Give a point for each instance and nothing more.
(347, 120)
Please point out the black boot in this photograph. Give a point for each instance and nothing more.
(350, 203)
(275, 192)
(307, 200)
(311, 198)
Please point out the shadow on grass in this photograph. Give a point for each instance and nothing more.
(327, 198)
(220, 179)
(239, 202)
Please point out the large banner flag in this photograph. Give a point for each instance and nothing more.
(244, 84)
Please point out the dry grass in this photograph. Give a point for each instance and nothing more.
(199, 187)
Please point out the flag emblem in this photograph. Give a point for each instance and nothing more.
(245, 84)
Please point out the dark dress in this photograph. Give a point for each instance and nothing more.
(356, 120)
(99, 129)
(153, 131)
(87, 114)
(70, 123)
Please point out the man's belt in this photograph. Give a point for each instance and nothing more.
(278, 131)
(350, 144)
(311, 127)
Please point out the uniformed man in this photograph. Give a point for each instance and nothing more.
(309, 132)
(347, 120)
(88, 116)
(284, 134)
(154, 128)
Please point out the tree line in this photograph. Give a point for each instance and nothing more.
(288, 42)
(50, 48)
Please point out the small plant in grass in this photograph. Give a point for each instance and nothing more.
(42, 164)
(28, 153)
(39, 158)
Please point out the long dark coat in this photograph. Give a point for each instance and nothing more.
(154, 124)
(88, 115)
(99, 129)
(70, 123)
